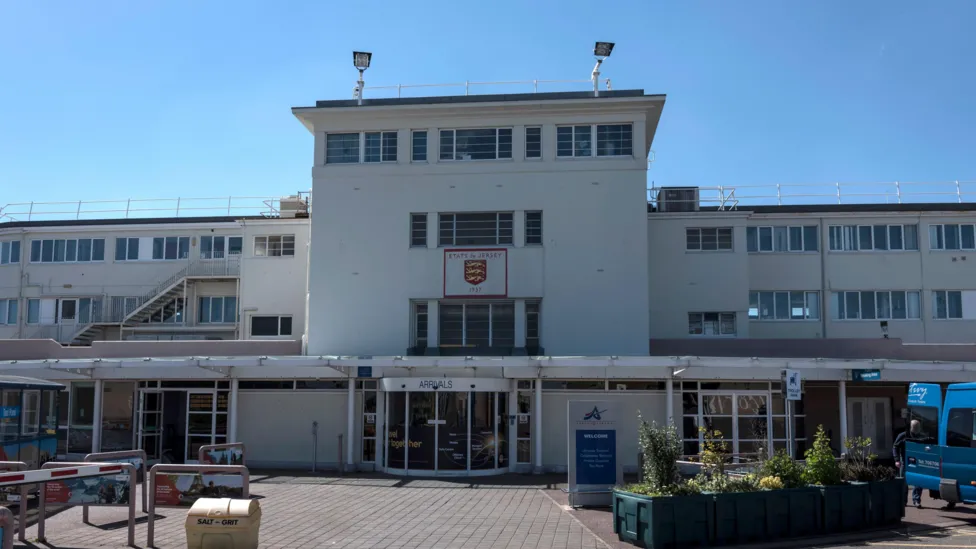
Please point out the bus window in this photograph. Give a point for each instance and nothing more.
(928, 419)
(959, 428)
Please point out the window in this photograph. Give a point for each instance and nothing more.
(847, 238)
(420, 325)
(9, 252)
(126, 249)
(418, 139)
(783, 239)
(270, 325)
(418, 230)
(532, 325)
(380, 147)
(709, 239)
(342, 148)
(796, 305)
(219, 247)
(171, 247)
(477, 144)
(274, 246)
(475, 229)
(533, 142)
(611, 140)
(72, 250)
(948, 304)
(477, 325)
(711, 324)
(959, 428)
(8, 311)
(876, 305)
(217, 310)
(952, 237)
(33, 311)
(533, 228)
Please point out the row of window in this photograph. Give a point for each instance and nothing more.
(842, 238)
(477, 325)
(475, 229)
(82, 250)
(480, 144)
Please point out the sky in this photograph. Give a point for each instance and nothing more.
(107, 99)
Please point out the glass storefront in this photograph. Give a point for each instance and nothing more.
(446, 432)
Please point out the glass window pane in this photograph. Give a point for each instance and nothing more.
(798, 305)
(811, 238)
(883, 301)
(852, 305)
(725, 238)
(940, 309)
(564, 141)
(898, 305)
(533, 142)
(951, 237)
(59, 251)
(753, 305)
(204, 312)
(98, 249)
(85, 249)
(765, 239)
(342, 148)
(867, 305)
(864, 233)
(895, 237)
(780, 239)
(451, 325)
(582, 138)
(132, 249)
(230, 309)
(837, 306)
(389, 152)
(954, 300)
(914, 305)
(709, 238)
(158, 250)
(880, 237)
(813, 305)
(935, 237)
(419, 144)
(796, 239)
(371, 149)
(71, 250)
(172, 247)
(782, 305)
(614, 139)
(911, 237)
(766, 305)
(504, 143)
(752, 239)
(693, 239)
(47, 251)
(968, 237)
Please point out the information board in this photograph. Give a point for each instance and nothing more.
(594, 452)
(184, 489)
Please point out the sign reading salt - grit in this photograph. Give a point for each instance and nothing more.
(476, 272)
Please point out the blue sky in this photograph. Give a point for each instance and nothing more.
(112, 99)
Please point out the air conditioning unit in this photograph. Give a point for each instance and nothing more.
(292, 206)
(677, 199)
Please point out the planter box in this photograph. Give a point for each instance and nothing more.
(887, 502)
(742, 517)
(845, 507)
(805, 511)
(667, 522)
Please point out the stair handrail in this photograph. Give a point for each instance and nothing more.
(179, 275)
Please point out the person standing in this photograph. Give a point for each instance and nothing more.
(898, 450)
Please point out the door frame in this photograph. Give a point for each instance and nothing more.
(735, 414)
(191, 459)
(141, 418)
(881, 448)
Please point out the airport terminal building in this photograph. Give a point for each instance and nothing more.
(462, 268)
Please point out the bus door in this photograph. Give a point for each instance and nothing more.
(923, 455)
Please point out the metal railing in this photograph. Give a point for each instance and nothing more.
(731, 197)
(143, 207)
(524, 86)
(229, 266)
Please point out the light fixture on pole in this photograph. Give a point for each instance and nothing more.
(601, 50)
(360, 60)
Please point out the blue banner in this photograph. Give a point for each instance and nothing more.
(596, 457)
(7, 412)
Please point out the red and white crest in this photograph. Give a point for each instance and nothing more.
(475, 271)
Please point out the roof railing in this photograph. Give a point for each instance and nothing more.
(142, 208)
(492, 87)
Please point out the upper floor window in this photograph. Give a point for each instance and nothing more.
(8, 311)
(345, 148)
(217, 310)
(800, 305)
(418, 142)
(67, 251)
(610, 139)
(476, 144)
(171, 247)
(533, 227)
(533, 327)
(9, 252)
(126, 249)
(533, 142)
(418, 230)
(477, 325)
(952, 237)
(274, 245)
(420, 326)
(782, 239)
(953, 304)
(270, 326)
(475, 229)
(707, 239)
(711, 324)
(846, 238)
(219, 247)
(875, 305)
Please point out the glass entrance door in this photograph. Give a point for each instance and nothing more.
(150, 424)
(452, 431)
(422, 433)
(201, 422)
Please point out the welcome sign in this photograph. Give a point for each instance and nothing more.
(594, 464)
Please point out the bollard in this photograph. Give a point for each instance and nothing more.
(315, 444)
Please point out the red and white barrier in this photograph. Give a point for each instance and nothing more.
(46, 475)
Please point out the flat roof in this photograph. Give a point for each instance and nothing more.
(483, 98)
(840, 208)
(128, 221)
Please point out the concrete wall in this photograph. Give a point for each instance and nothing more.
(275, 285)
(276, 427)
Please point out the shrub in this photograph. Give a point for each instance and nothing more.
(783, 467)
(859, 466)
(662, 450)
(821, 467)
(770, 483)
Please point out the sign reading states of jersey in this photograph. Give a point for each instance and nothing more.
(594, 463)
(472, 273)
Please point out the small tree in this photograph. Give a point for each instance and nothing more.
(662, 450)
(821, 467)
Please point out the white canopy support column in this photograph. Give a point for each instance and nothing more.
(537, 431)
(842, 400)
(232, 427)
(669, 385)
(97, 418)
(350, 422)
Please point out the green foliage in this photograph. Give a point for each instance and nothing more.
(821, 467)
(715, 452)
(677, 489)
(662, 450)
(858, 464)
(770, 483)
(783, 467)
(722, 483)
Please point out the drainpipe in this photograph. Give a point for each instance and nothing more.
(21, 303)
(824, 244)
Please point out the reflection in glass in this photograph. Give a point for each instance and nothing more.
(420, 437)
(452, 438)
(396, 430)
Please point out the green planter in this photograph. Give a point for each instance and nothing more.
(887, 502)
(805, 511)
(845, 507)
(667, 522)
(778, 514)
(741, 517)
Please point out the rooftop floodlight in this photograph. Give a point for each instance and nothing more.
(360, 60)
(601, 50)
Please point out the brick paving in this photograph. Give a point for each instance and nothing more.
(361, 512)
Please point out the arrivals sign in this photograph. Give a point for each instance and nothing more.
(594, 463)
(476, 272)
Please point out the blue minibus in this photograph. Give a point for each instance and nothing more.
(941, 457)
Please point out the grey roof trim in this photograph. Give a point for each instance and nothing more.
(19, 382)
(844, 208)
(488, 98)
(128, 221)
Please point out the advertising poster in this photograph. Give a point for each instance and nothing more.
(183, 490)
(224, 456)
(135, 461)
(107, 490)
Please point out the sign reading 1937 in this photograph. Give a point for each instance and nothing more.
(476, 272)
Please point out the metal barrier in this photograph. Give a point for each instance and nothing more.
(64, 471)
(164, 496)
(22, 511)
(124, 456)
(210, 454)
(6, 529)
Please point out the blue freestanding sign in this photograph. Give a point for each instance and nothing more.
(594, 464)
(596, 457)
